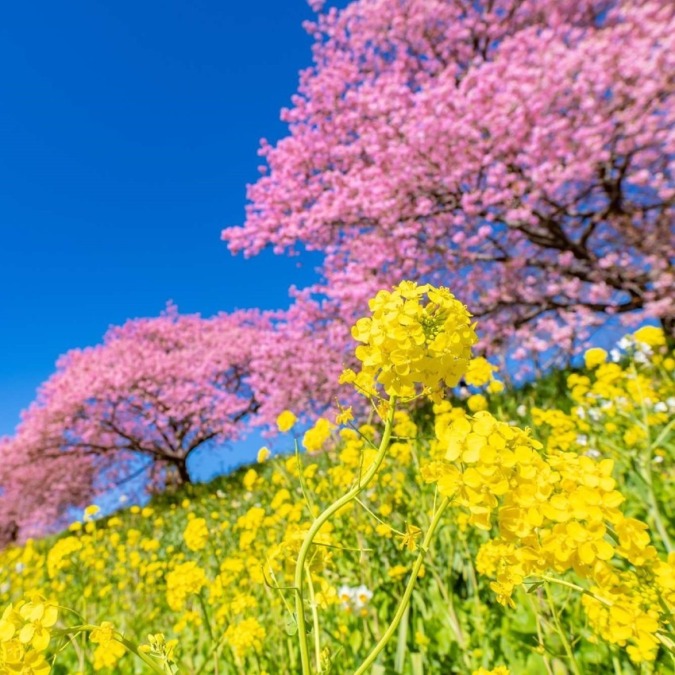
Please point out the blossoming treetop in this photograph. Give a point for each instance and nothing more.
(518, 151)
(145, 399)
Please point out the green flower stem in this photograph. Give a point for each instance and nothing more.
(574, 587)
(561, 632)
(540, 634)
(655, 511)
(405, 600)
(402, 641)
(202, 605)
(360, 486)
(315, 620)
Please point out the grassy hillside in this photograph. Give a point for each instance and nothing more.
(211, 566)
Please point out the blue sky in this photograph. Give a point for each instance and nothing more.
(129, 132)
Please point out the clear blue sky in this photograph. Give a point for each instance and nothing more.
(129, 131)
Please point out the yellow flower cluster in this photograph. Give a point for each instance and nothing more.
(108, 650)
(286, 421)
(479, 372)
(25, 632)
(161, 649)
(245, 636)
(417, 335)
(222, 561)
(315, 438)
(59, 555)
(184, 580)
(554, 513)
(196, 534)
(624, 609)
(621, 397)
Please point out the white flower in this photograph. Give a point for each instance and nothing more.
(354, 599)
(363, 595)
(593, 453)
(625, 342)
(582, 439)
(345, 595)
(615, 355)
(660, 407)
(521, 410)
(642, 353)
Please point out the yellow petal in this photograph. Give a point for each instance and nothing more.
(26, 633)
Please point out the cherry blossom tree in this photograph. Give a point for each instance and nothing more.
(37, 494)
(142, 402)
(518, 151)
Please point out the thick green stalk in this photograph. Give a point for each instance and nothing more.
(405, 600)
(402, 642)
(315, 620)
(361, 485)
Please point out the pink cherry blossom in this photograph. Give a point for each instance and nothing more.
(518, 151)
(145, 399)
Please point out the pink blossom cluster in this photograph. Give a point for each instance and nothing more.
(518, 151)
(153, 392)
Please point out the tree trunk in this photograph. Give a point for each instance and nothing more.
(183, 474)
(668, 325)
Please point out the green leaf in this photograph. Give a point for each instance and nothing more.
(535, 586)
(291, 625)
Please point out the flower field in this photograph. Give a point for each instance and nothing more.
(464, 358)
(501, 530)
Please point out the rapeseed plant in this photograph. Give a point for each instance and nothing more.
(419, 538)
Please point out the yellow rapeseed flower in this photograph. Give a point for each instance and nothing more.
(479, 372)
(416, 337)
(245, 636)
(595, 357)
(314, 439)
(286, 420)
(476, 403)
(196, 534)
(652, 336)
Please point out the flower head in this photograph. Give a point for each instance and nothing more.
(286, 420)
(416, 336)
